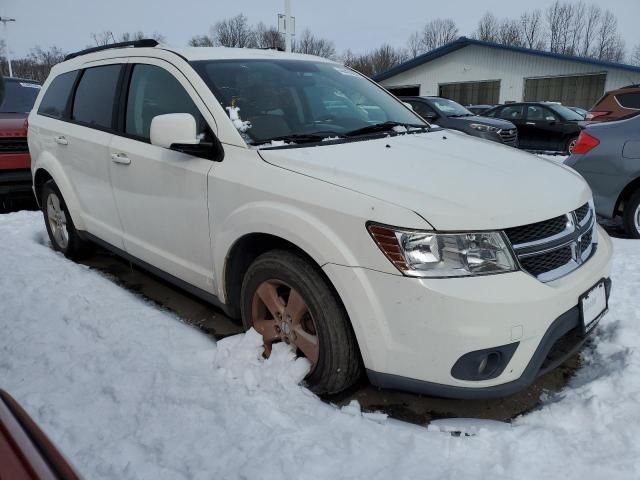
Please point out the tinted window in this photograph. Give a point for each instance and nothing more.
(565, 112)
(423, 110)
(154, 91)
(538, 113)
(512, 112)
(57, 95)
(94, 100)
(629, 100)
(19, 96)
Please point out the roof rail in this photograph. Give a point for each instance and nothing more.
(144, 42)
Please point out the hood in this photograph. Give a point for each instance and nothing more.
(493, 122)
(452, 180)
(13, 125)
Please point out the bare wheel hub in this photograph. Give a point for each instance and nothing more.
(280, 314)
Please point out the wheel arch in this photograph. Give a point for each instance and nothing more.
(48, 168)
(627, 191)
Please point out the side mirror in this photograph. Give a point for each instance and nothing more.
(173, 128)
(178, 131)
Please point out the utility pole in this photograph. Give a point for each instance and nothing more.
(4, 21)
(287, 25)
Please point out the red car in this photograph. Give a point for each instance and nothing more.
(26, 453)
(15, 162)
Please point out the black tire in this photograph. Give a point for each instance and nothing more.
(571, 143)
(630, 219)
(75, 247)
(339, 364)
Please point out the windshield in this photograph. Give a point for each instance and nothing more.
(449, 108)
(19, 97)
(565, 112)
(301, 100)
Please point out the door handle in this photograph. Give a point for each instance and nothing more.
(61, 140)
(531, 123)
(120, 158)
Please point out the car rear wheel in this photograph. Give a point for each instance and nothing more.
(62, 232)
(631, 215)
(286, 299)
(570, 145)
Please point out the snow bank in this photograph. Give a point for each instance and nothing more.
(129, 392)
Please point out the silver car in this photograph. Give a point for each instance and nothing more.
(607, 155)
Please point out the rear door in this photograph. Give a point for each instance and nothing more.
(84, 141)
(161, 194)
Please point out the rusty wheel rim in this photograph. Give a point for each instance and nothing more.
(280, 314)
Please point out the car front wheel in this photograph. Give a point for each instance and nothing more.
(286, 299)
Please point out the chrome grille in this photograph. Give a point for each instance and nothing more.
(509, 136)
(553, 248)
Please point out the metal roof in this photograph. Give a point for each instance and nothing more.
(464, 42)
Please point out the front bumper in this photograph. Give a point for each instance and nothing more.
(412, 331)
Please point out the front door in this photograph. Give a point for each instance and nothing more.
(543, 128)
(161, 194)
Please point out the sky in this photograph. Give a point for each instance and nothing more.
(359, 25)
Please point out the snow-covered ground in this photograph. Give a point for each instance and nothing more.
(129, 392)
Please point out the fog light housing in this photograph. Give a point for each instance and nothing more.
(483, 364)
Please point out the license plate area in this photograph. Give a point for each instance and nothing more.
(593, 305)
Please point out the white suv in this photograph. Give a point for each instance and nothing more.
(306, 200)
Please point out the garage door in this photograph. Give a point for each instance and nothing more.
(575, 90)
(472, 93)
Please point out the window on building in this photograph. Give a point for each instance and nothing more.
(574, 90)
(472, 93)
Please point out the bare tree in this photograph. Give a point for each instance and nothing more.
(201, 41)
(233, 32)
(591, 25)
(532, 29)
(414, 45)
(103, 38)
(107, 37)
(439, 32)
(312, 45)
(268, 37)
(35, 66)
(608, 44)
(488, 28)
(510, 33)
(381, 59)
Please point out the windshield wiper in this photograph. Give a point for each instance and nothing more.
(383, 127)
(299, 137)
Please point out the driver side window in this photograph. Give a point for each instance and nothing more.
(154, 91)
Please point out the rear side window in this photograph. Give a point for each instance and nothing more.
(154, 91)
(56, 98)
(95, 96)
(629, 100)
(512, 113)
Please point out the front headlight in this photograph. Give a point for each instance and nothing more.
(428, 254)
(483, 128)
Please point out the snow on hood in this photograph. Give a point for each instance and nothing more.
(452, 180)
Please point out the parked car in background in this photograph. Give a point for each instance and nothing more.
(580, 111)
(449, 114)
(479, 109)
(607, 155)
(616, 104)
(26, 453)
(434, 263)
(15, 163)
(541, 126)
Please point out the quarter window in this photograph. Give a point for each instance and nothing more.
(153, 91)
(95, 96)
(629, 100)
(55, 100)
